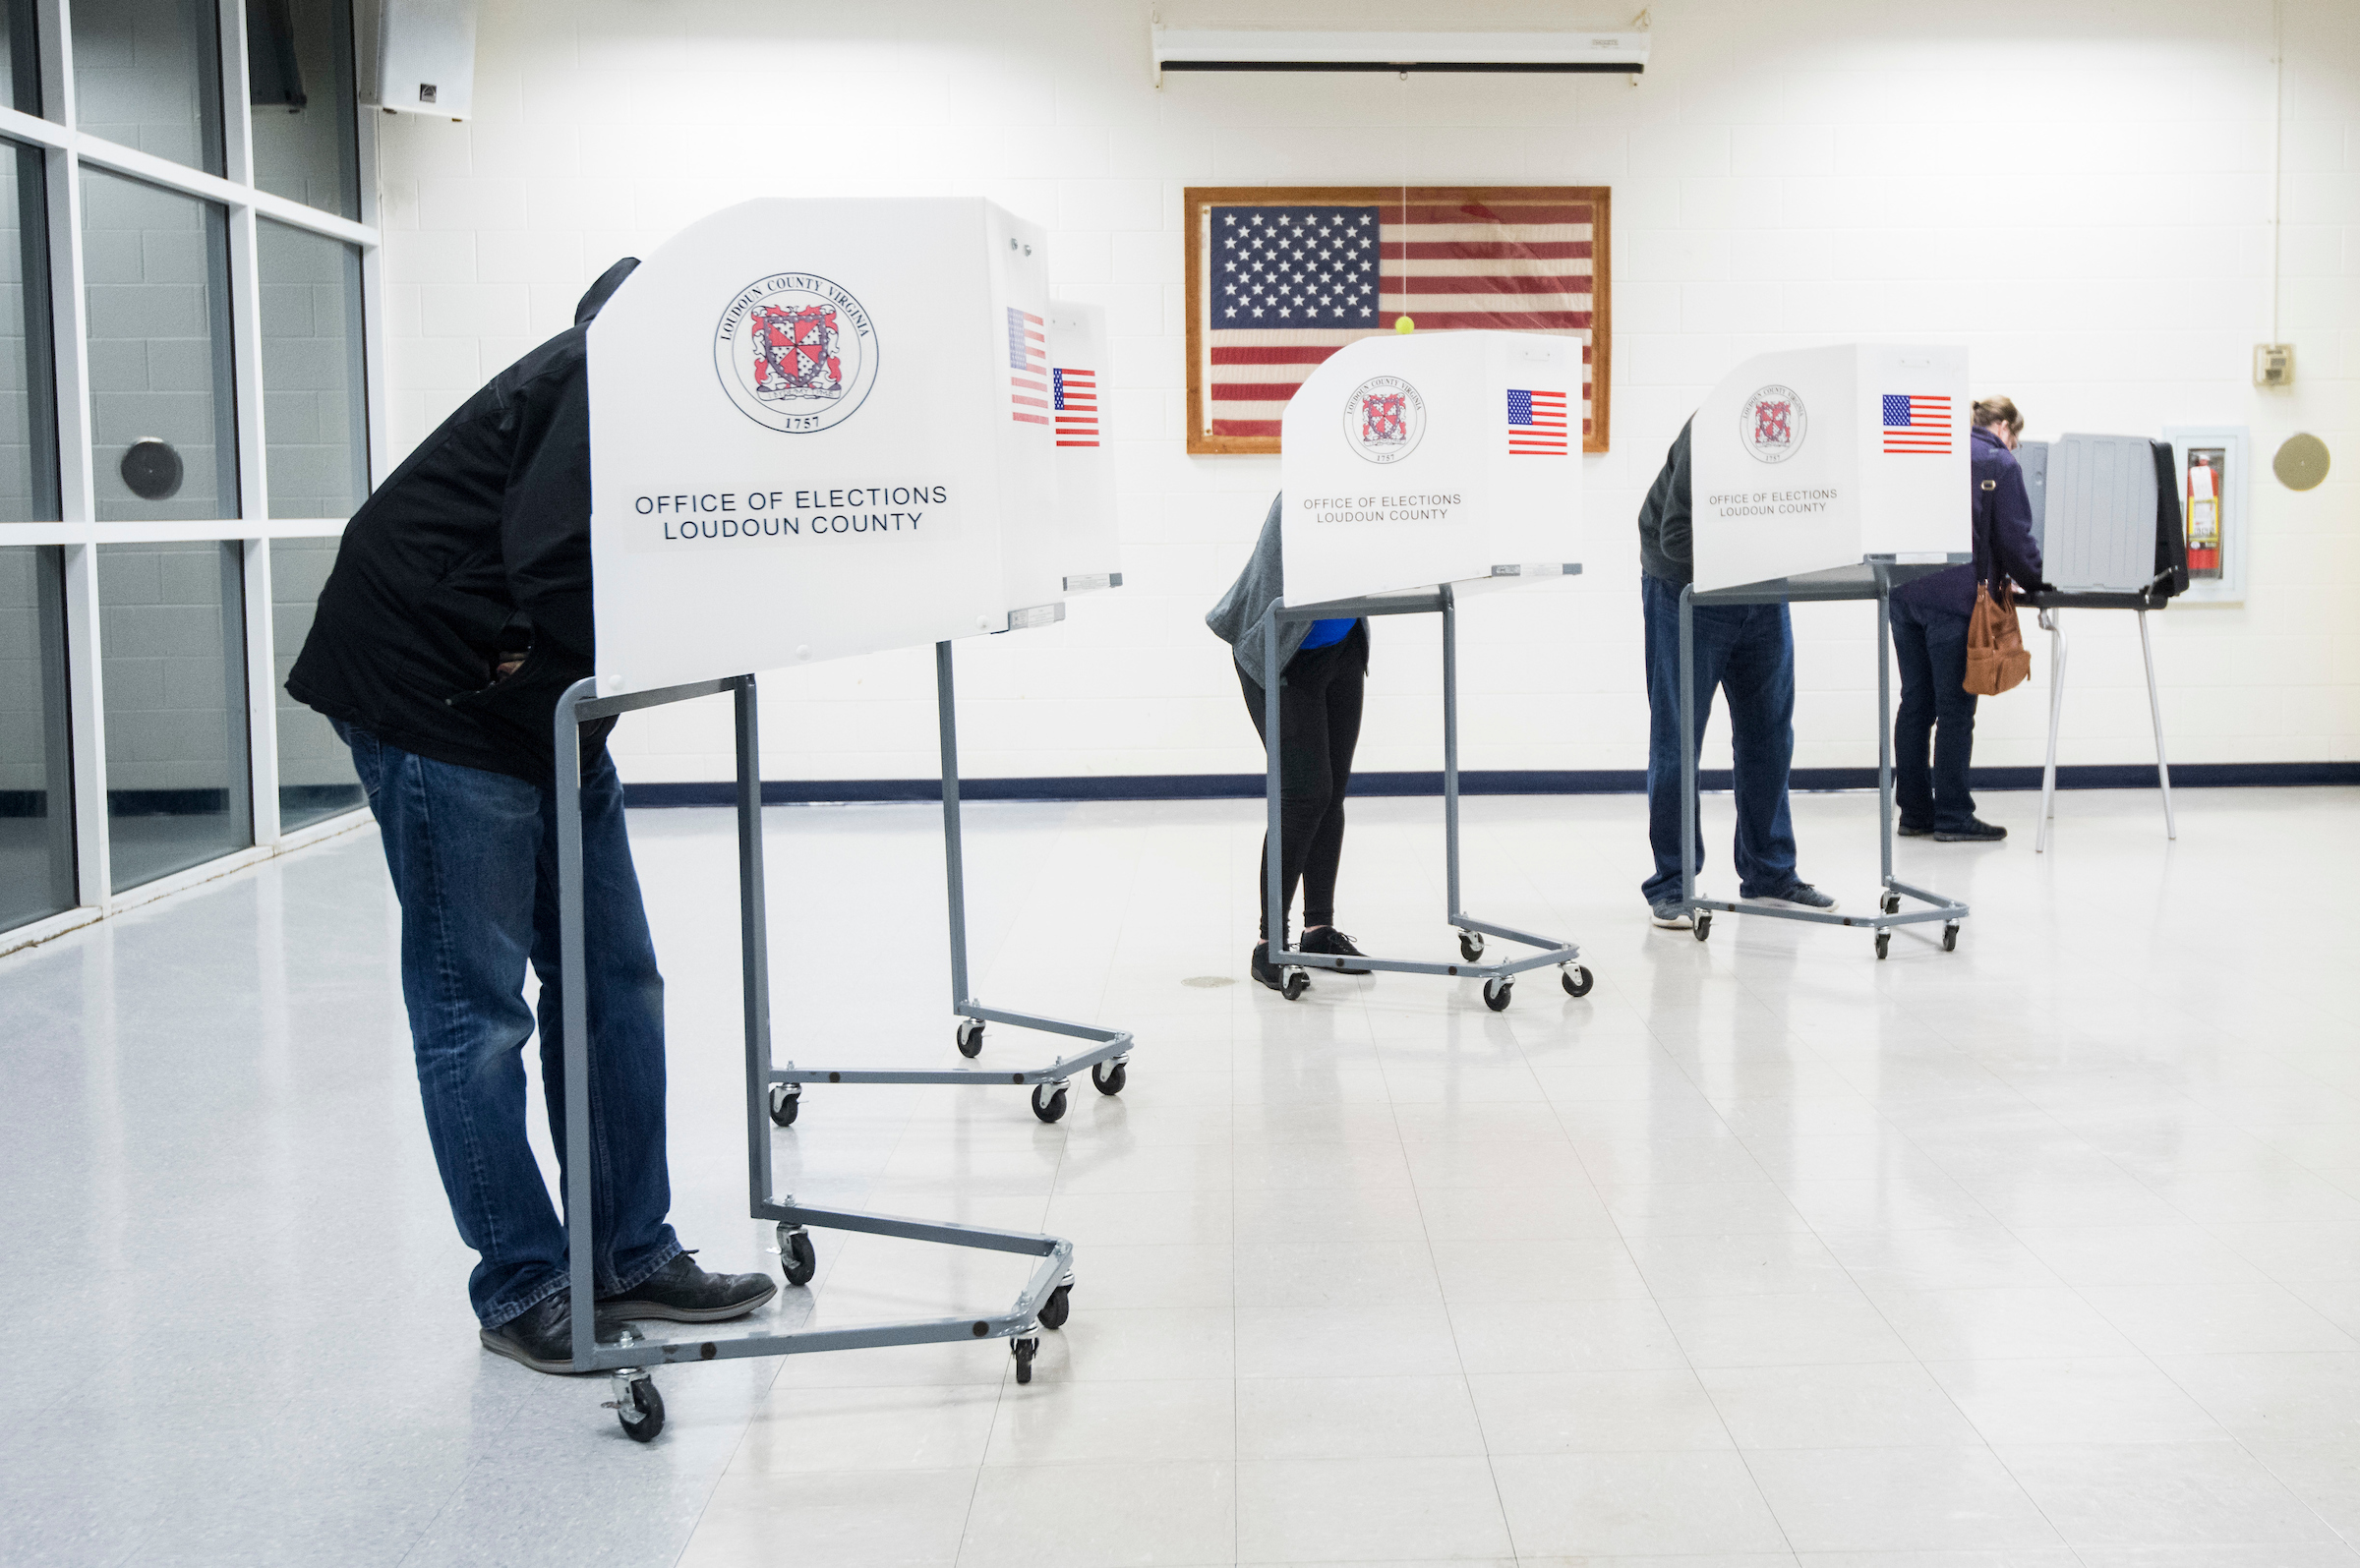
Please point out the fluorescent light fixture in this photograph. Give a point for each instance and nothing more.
(1274, 50)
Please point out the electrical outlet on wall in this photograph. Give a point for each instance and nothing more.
(2273, 364)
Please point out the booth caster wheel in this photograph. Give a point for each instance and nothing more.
(1950, 936)
(970, 1037)
(1109, 1077)
(1890, 904)
(797, 1260)
(1049, 1101)
(785, 1100)
(1470, 945)
(1498, 993)
(1884, 939)
(1053, 1311)
(1297, 982)
(637, 1406)
(1704, 925)
(1576, 978)
(1024, 1350)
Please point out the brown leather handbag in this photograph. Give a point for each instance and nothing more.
(1996, 658)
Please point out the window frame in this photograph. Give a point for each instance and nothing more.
(66, 149)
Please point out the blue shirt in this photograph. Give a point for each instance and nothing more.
(1326, 632)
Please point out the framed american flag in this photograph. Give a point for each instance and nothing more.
(1280, 277)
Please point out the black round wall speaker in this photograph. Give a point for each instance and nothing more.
(152, 469)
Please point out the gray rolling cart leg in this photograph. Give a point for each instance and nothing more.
(628, 1357)
(1950, 911)
(2053, 623)
(1107, 1052)
(1498, 980)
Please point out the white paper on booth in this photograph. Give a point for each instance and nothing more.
(1407, 462)
(806, 434)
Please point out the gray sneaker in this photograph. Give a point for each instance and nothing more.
(1672, 916)
(1801, 895)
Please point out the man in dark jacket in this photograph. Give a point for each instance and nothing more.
(459, 610)
(1747, 652)
(1929, 642)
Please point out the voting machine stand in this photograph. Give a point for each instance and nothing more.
(1106, 1054)
(628, 1356)
(2051, 606)
(1498, 980)
(1873, 579)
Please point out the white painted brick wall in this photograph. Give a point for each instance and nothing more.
(2079, 190)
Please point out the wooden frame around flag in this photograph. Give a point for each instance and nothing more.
(1551, 251)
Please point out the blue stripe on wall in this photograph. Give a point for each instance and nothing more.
(1473, 782)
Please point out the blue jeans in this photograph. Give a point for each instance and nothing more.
(1930, 646)
(1747, 652)
(474, 861)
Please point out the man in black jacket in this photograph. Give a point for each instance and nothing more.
(1747, 652)
(458, 611)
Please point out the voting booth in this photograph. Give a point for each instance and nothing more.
(1418, 470)
(2106, 512)
(821, 428)
(1827, 473)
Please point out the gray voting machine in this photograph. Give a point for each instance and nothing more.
(2094, 511)
(2109, 537)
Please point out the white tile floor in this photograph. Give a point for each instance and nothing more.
(2045, 1251)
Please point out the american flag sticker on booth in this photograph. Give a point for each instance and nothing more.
(1917, 424)
(1028, 367)
(1074, 395)
(1536, 423)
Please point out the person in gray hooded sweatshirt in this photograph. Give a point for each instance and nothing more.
(1323, 665)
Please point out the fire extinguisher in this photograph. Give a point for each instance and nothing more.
(2204, 516)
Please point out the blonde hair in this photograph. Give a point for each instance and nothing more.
(1998, 411)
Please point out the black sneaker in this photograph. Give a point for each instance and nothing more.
(1329, 940)
(542, 1335)
(1264, 971)
(1911, 830)
(684, 1292)
(1977, 830)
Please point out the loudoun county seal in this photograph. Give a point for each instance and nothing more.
(796, 352)
(1772, 422)
(1384, 418)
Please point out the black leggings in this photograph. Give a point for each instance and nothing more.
(1318, 725)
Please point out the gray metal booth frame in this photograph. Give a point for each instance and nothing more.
(1873, 579)
(629, 1357)
(1498, 980)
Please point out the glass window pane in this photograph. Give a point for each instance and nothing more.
(314, 768)
(147, 74)
(299, 73)
(314, 411)
(27, 388)
(20, 55)
(37, 789)
(164, 414)
(172, 641)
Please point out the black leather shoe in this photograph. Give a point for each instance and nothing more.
(684, 1292)
(1911, 831)
(1264, 971)
(1977, 830)
(542, 1335)
(1329, 940)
